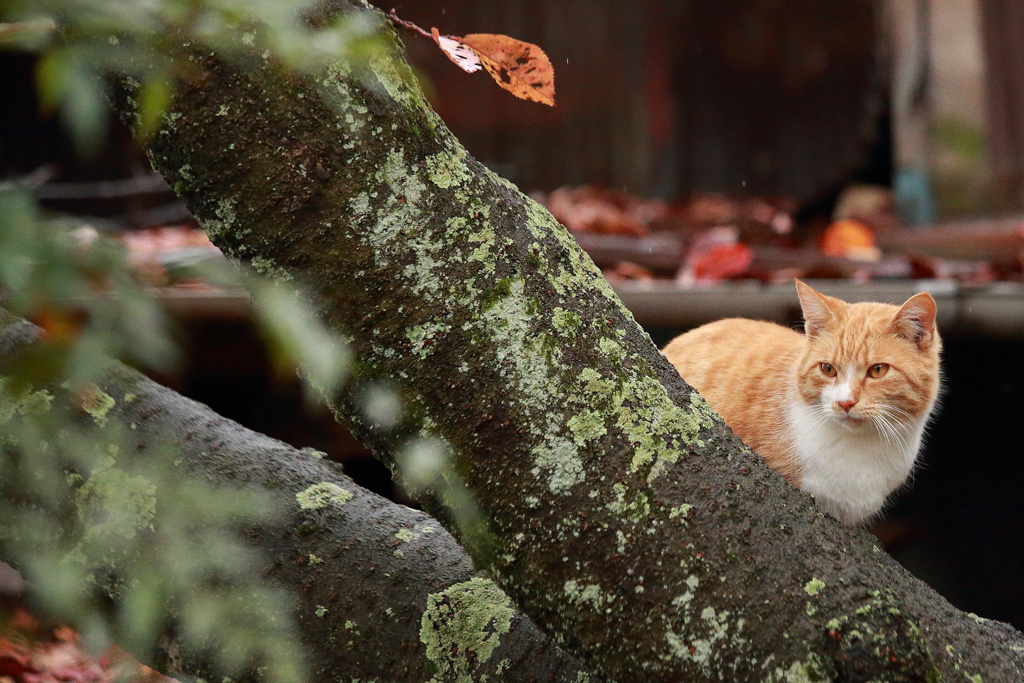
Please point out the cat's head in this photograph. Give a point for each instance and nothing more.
(869, 364)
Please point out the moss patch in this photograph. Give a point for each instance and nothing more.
(321, 495)
(446, 170)
(113, 507)
(21, 402)
(462, 626)
(96, 402)
(806, 671)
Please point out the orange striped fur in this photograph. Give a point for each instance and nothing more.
(840, 410)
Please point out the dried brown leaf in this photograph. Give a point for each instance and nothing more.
(460, 53)
(722, 261)
(517, 66)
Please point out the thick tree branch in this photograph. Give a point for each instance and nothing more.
(363, 571)
(618, 511)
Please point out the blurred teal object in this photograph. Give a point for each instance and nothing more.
(914, 201)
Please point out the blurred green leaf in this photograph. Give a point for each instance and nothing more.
(52, 74)
(68, 83)
(17, 238)
(153, 101)
(143, 608)
(296, 334)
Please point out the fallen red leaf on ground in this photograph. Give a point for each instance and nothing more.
(722, 261)
(30, 653)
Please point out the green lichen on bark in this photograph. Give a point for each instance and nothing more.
(96, 403)
(448, 170)
(720, 629)
(810, 670)
(267, 268)
(452, 266)
(462, 626)
(591, 593)
(319, 496)
(114, 506)
(15, 401)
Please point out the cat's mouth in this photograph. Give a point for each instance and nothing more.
(852, 421)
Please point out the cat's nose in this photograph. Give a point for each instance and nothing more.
(846, 405)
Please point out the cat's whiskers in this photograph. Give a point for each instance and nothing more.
(884, 422)
(899, 411)
(888, 430)
(821, 416)
(883, 427)
(895, 412)
(888, 418)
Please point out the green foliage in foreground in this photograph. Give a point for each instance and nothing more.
(87, 517)
(153, 44)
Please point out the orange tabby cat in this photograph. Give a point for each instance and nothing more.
(840, 410)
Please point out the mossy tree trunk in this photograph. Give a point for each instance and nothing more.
(614, 507)
(380, 591)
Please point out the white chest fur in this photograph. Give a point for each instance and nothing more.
(850, 472)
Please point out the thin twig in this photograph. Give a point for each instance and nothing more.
(393, 16)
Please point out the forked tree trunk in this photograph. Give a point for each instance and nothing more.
(616, 509)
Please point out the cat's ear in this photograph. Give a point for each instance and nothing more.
(818, 311)
(915, 321)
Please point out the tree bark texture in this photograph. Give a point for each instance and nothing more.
(381, 591)
(617, 510)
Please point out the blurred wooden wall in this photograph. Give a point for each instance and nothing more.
(783, 97)
(666, 96)
(1003, 30)
(599, 130)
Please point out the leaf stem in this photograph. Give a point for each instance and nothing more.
(393, 16)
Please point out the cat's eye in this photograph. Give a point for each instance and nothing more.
(878, 370)
(828, 370)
